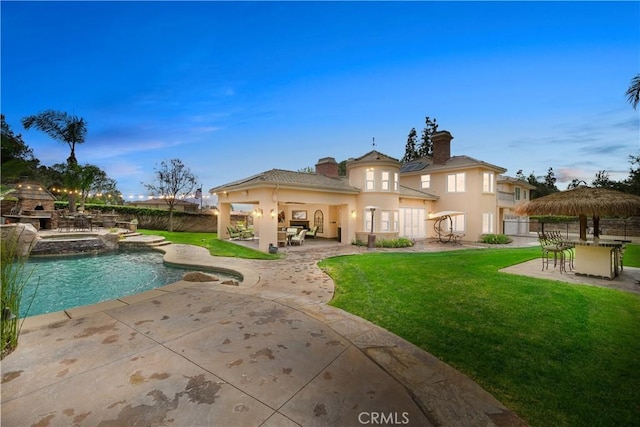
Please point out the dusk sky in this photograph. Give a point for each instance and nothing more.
(236, 88)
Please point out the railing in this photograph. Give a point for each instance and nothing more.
(506, 196)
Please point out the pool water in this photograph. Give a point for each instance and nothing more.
(72, 281)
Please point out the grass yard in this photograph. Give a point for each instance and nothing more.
(210, 240)
(557, 354)
(632, 256)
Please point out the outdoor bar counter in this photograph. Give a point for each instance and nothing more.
(597, 258)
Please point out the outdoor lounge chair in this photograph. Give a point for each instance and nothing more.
(312, 232)
(234, 233)
(298, 239)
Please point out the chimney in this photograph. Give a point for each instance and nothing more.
(441, 147)
(327, 166)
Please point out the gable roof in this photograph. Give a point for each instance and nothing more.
(424, 164)
(285, 178)
(373, 155)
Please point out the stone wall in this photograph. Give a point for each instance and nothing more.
(204, 223)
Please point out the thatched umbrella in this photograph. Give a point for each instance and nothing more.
(582, 202)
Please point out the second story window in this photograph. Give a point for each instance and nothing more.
(425, 181)
(487, 182)
(370, 184)
(396, 182)
(455, 183)
(517, 193)
(386, 185)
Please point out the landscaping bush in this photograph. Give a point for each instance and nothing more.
(402, 242)
(495, 239)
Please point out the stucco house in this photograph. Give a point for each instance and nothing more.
(380, 194)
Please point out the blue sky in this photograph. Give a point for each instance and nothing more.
(236, 88)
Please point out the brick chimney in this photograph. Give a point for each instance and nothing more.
(328, 166)
(441, 147)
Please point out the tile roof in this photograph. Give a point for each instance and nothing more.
(374, 155)
(410, 192)
(456, 162)
(286, 178)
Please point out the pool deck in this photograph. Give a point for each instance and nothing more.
(269, 352)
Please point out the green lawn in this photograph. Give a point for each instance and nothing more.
(557, 354)
(210, 240)
(632, 255)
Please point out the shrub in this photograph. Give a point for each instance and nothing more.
(495, 239)
(402, 242)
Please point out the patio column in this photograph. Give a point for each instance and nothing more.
(267, 224)
(224, 220)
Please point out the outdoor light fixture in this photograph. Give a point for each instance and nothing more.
(353, 213)
(273, 213)
(7, 314)
(216, 212)
(258, 212)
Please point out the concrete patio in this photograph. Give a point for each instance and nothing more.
(269, 352)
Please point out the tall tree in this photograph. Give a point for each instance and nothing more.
(60, 126)
(426, 145)
(93, 180)
(410, 149)
(545, 187)
(633, 93)
(71, 130)
(173, 182)
(632, 184)
(17, 158)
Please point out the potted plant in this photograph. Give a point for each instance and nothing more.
(133, 225)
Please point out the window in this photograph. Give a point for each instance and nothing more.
(457, 223)
(455, 183)
(318, 221)
(385, 181)
(487, 223)
(367, 216)
(369, 183)
(425, 181)
(396, 182)
(517, 193)
(385, 220)
(487, 182)
(396, 226)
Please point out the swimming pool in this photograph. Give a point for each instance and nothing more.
(65, 282)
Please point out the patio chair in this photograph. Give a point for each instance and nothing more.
(312, 232)
(234, 233)
(549, 247)
(298, 239)
(567, 248)
(247, 234)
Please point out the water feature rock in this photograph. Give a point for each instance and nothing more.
(26, 235)
(198, 276)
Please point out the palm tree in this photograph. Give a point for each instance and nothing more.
(633, 93)
(60, 126)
